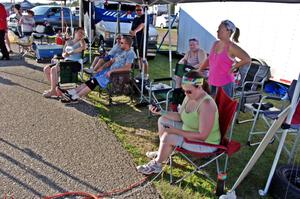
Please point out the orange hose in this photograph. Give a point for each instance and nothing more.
(88, 195)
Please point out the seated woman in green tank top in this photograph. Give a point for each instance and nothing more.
(197, 120)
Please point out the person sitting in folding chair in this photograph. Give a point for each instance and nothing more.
(122, 62)
(98, 61)
(194, 58)
(72, 53)
(197, 120)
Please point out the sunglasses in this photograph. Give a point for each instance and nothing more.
(138, 10)
(188, 92)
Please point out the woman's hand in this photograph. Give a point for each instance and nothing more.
(171, 130)
(154, 110)
(65, 54)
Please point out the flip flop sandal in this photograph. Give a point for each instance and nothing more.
(66, 98)
(49, 95)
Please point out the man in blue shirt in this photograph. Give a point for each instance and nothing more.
(122, 62)
(98, 62)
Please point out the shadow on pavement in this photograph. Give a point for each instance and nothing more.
(11, 83)
(36, 174)
(84, 107)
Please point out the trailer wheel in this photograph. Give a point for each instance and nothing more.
(286, 182)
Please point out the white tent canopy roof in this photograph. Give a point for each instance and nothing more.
(153, 2)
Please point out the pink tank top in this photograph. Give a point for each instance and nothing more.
(219, 67)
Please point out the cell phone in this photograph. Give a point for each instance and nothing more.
(155, 105)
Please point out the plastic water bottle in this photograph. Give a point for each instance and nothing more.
(220, 189)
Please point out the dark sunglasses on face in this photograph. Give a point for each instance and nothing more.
(188, 92)
(138, 10)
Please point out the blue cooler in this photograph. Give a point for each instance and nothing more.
(45, 52)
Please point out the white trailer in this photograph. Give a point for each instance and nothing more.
(269, 31)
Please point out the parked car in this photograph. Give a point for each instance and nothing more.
(52, 14)
(163, 21)
(105, 29)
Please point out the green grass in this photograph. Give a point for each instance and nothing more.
(137, 133)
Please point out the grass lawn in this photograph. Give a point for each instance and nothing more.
(137, 133)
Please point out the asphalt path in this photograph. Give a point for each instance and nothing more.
(47, 147)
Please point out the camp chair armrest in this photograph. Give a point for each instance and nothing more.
(204, 144)
(252, 83)
(120, 72)
(163, 79)
(273, 98)
(59, 57)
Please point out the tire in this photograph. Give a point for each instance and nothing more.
(286, 182)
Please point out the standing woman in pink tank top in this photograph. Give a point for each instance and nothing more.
(225, 57)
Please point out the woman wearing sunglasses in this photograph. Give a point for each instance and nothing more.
(197, 120)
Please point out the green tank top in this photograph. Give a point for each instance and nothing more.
(191, 121)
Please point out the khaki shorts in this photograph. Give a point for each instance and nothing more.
(181, 143)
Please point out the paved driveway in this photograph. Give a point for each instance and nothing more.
(47, 147)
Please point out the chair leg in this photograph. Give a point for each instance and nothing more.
(252, 128)
(218, 166)
(197, 168)
(171, 169)
(294, 147)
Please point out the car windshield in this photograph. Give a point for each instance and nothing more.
(40, 10)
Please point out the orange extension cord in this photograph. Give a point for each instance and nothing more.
(99, 196)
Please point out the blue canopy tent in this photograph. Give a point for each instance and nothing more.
(26, 5)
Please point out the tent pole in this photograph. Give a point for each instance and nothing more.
(71, 20)
(282, 140)
(80, 13)
(144, 51)
(90, 31)
(118, 27)
(170, 38)
(62, 16)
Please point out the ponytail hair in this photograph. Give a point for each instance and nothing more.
(236, 35)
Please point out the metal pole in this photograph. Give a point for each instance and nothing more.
(144, 51)
(90, 31)
(80, 13)
(71, 20)
(170, 38)
(283, 136)
(62, 16)
(262, 146)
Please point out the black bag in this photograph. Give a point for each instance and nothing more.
(69, 71)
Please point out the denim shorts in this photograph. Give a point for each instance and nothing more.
(228, 88)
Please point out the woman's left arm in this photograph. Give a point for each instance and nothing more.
(244, 58)
(206, 123)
